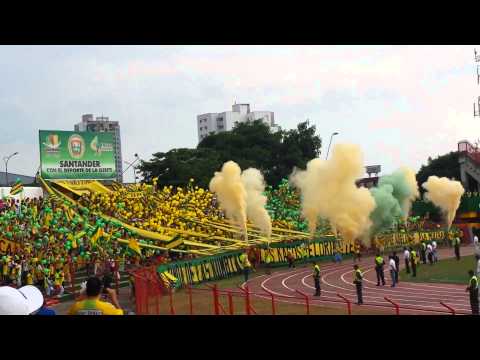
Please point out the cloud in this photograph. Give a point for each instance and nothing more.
(399, 103)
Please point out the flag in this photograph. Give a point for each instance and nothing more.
(133, 244)
(97, 235)
(17, 188)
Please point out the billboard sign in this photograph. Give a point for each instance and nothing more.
(77, 155)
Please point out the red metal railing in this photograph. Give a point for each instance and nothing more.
(452, 310)
(150, 290)
(272, 295)
(348, 302)
(307, 301)
(397, 307)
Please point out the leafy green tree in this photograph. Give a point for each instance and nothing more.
(177, 166)
(443, 166)
(249, 144)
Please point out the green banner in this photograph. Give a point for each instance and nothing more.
(77, 155)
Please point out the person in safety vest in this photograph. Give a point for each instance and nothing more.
(358, 280)
(379, 263)
(357, 254)
(316, 278)
(268, 261)
(246, 264)
(423, 252)
(413, 261)
(472, 288)
(456, 244)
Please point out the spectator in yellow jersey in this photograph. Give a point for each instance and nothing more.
(92, 305)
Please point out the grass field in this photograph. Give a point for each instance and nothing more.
(445, 271)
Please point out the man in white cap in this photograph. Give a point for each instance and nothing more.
(24, 301)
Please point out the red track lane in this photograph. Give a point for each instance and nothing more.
(413, 298)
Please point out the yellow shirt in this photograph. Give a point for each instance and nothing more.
(29, 279)
(94, 307)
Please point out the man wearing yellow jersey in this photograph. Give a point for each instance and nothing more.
(92, 305)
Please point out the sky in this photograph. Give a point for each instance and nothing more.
(401, 104)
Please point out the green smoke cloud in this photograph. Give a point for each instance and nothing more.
(387, 208)
(402, 190)
(393, 198)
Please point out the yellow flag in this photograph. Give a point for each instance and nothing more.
(98, 234)
(133, 244)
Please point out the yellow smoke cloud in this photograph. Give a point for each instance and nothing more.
(232, 196)
(445, 194)
(329, 191)
(411, 180)
(255, 186)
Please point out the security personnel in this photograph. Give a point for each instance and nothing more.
(413, 261)
(379, 263)
(473, 290)
(316, 278)
(246, 264)
(358, 280)
(357, 252)
(423, 252)
(457, 247)
(268, 261)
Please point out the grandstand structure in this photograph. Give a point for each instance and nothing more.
(194, 242)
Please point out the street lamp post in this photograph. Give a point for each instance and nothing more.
(134, 168)
(6, 158)
(330, 143)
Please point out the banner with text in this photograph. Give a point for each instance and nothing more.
(77, 155)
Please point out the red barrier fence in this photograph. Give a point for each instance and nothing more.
(154, 298)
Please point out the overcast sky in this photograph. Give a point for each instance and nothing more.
(401, 104)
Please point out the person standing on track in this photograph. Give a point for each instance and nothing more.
(457, 248)
(379, 263)
(268, 261)
(435, 252)
(472, 288)
(246, 264)
(423, 252)
(406, 257)
(316, 278)
(430, 254)
(393, 270)
(413, 261)
(357, 253)
(290, 259)
(397, 265)
(358, 280)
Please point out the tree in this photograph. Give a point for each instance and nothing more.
(176, 167)
(298, 147)
(249, 144)
(443, 166)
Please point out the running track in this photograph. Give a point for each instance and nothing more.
(413, 298)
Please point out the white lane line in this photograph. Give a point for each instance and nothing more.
(383, 304)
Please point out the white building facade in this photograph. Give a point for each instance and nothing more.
(104, 124)
(213, 123)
